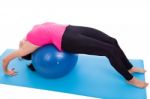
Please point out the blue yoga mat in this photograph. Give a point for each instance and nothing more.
(93, 76)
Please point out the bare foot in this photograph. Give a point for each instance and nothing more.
(138, 83)
(137, 70)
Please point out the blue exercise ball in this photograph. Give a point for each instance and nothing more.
(51, 63)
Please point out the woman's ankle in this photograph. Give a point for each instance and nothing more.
(137, 83)
(137, 70)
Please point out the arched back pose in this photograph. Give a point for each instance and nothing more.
(76, 39)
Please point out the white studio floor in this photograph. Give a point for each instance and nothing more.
(126, 20)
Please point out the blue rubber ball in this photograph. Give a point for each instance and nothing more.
(51, 63)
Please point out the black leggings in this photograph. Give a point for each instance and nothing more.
(86, 40)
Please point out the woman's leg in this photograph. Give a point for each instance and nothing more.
(101, 36)
(86, 45)
(74, 41)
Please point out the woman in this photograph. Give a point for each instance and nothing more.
(76, 39)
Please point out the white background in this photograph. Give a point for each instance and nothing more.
(126, 20)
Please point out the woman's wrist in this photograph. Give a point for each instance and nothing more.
(5, 63)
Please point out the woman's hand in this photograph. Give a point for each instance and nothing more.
(11, 72)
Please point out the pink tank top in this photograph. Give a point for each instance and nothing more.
(47, 33)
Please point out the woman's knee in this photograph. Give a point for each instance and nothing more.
(115, 41)
(113, 51)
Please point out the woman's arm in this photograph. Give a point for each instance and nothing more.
(6, 61)
(25, 49)
(22, 42)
